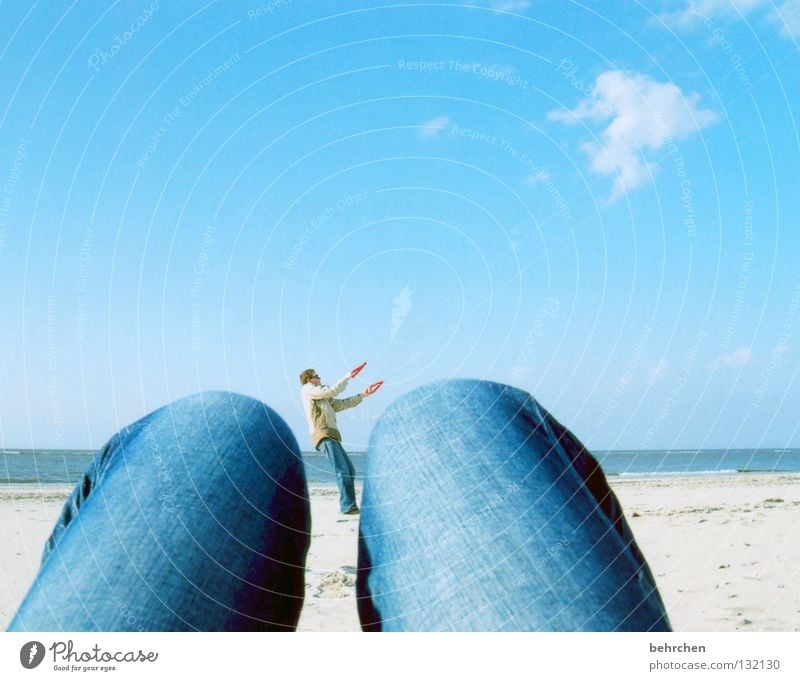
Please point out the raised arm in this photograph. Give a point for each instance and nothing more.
(326, 392)
(347, 403)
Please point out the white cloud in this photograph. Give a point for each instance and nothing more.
(434, 126)
(645, 115)
(402, 304)
(657, 371)
(510, 5)
(786, 14)
(735, 360)
(500, 5)
(696, 11)
(538, 177)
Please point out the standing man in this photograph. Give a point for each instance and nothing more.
(320, 409)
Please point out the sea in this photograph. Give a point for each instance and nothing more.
(65, 466)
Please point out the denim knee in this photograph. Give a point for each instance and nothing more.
(476, 416)
(229, 417)
(198, 512)
(516, 513)
(467, 410)
(256, 421)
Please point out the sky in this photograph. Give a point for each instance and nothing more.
(594, 201)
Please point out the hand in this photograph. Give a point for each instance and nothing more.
(355, 371)
(372, 388)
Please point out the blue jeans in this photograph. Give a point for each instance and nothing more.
(345, 472)
(196, 517)
(480, 512)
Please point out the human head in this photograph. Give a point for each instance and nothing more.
(307, 376)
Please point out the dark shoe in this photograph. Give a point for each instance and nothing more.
(352, 511)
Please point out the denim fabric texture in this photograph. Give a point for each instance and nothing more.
(480, 513)
(195, 517)
(344, 470)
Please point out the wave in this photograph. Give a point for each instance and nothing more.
(37, 481)
(724, 471)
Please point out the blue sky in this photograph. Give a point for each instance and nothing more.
(596, 202)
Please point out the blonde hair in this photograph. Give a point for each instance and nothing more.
(305, 376)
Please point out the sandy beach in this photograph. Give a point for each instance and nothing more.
(725, 549)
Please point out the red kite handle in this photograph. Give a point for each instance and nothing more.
(373, 387)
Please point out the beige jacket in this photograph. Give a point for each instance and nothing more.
(320, 408)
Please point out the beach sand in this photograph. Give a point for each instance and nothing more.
(725, 550)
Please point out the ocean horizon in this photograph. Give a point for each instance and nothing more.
(65, 466)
